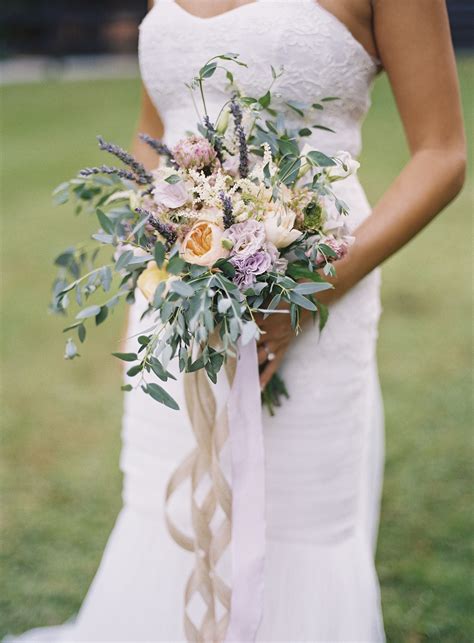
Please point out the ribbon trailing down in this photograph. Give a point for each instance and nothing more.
(230, 409)
(248, 498)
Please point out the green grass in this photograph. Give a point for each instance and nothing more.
(60, 447)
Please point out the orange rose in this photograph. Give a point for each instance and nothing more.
(203, 244)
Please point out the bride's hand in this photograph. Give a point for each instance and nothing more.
(273, 343)
(278, 333)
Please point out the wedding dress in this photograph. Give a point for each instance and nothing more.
(324, 446)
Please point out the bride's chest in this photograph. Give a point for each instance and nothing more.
(318, 54)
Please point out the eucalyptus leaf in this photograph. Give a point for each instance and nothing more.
(224, 305)
(90, 311)
(81, 331)
(160, 395)
(181, 288)
(250, 331)
(135, 370)
(208, 70)
(104, 238)
(173, 179)
(320, 159)
(123, 260)
(304, 302)
(311, 288)
(159, 253)
(105, 222)
(101, 315)
(265, 100)
(175, 265)
(126, 357)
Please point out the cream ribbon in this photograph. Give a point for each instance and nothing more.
(211, 429)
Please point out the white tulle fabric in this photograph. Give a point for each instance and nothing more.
(324, 447)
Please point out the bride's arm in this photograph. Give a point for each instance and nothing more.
(150, 123)
(414, 44)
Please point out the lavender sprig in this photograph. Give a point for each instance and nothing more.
(236, 112)
(227, 209)
(167, 230)
(127, 159)
(118, 171)
(160, 148)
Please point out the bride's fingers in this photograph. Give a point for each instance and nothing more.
(262, 355)
(265, 348)
(268, 372)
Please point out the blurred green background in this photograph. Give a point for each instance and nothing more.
(61, 421)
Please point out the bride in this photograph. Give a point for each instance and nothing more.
(324, 446)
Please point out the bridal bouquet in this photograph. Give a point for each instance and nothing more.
(237, 219)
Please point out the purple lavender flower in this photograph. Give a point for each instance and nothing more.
(227, 209)
(241, 137)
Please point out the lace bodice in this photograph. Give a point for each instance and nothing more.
(319, 54)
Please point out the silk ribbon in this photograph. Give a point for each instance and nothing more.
(229, 410)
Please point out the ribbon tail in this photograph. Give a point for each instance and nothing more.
(248, 498)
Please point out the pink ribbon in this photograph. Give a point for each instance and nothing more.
(248, 498)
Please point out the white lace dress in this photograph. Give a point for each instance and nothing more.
(323, 448)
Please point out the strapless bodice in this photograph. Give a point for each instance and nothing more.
(320, 56)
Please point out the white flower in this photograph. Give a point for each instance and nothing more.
(231, 165)
(335, 223)
(345, 166)
(279, 223)
(171, 195)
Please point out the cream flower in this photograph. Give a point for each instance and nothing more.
(150, 278)
(345, 166)
(279, 222)
(203, 244)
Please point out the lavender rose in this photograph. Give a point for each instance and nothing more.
(248, 268)
(246, 238)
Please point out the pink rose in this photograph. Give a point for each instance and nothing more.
(194, 152)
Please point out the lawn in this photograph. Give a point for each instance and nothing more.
(61, 421)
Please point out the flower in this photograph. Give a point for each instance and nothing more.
(279, 222)
(249, 267)
(194, 152)
(231, 165)
(246, 237)
(334, 223)
(339, 246)
(223, 121)
(345, 166)
(130, 195)
(171, 195)
(150, 278)
(203, 244)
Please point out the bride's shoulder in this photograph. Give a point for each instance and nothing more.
(357, 16)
